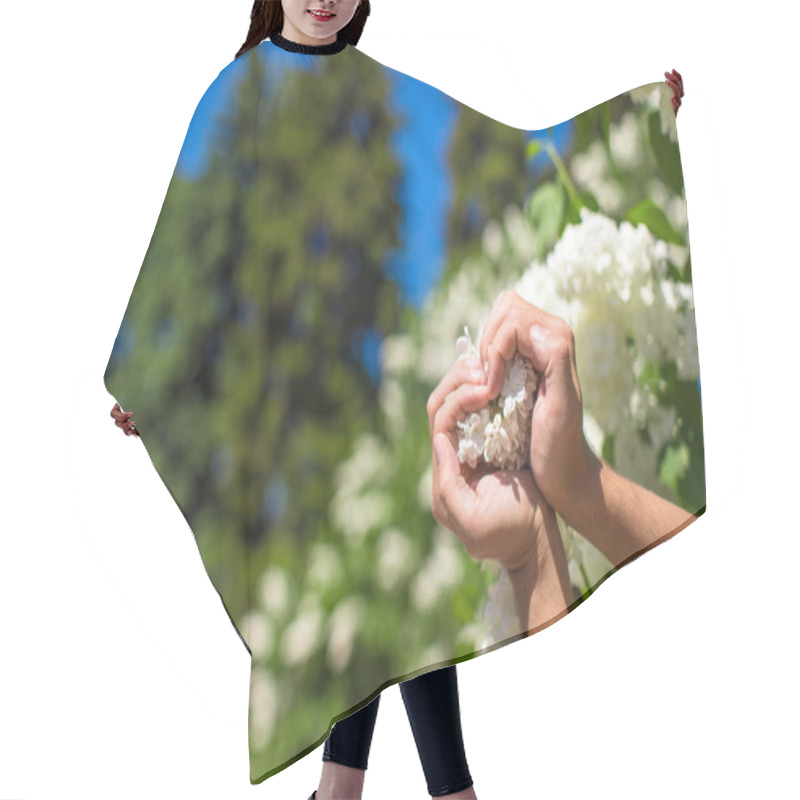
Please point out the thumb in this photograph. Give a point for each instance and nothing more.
(553, 355)
(443, 450)
(450, 480)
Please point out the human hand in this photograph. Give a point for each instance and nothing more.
(122, 419)
(496, 514)
(559, 454)
(675, 82)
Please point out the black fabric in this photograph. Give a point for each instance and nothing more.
(433, 710)
(351, 737)
(309, 49)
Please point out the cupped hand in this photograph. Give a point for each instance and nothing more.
(122, 419)
(559, 454)
(675, 82)
(496, 514)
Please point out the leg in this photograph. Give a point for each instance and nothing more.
(433, 711)
(346, 753)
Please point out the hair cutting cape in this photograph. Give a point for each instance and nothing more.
(331, 228)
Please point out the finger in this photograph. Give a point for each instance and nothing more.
(452, 495)
(553, 353)
(675, 91)
(514, 336)
(675, 81)
(547, 327)
(119, 414)
(494, 321)
(461, 402)
(678, 82)
(521, 315)
(464, 370)
(127, 425)
(504, 347)
(454, 500)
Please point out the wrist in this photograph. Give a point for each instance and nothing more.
(540, 581)
(582, 474)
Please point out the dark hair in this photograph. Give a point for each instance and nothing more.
(266, 18)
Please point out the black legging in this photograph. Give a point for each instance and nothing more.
(432, 706)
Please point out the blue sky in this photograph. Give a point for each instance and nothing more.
(425, 194)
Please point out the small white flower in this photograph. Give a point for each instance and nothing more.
(345, 621)
(274, 591)
(394, 557)
(658, 95)
(264, 704)
(398, 353)
(502, 440)
(324, 563)
(301, 636)
(257, 630)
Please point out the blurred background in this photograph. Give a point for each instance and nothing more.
(309, 273)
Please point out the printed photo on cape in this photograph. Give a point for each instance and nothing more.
(333, 232)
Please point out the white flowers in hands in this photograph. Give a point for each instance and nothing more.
(499, 435)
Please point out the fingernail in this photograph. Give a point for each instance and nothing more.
(477, 374)
(538, 334)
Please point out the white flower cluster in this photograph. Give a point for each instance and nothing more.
(500, 434)
(609, 282)
(362, 501)
(611, 184)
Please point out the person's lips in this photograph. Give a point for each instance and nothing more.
(321, 15)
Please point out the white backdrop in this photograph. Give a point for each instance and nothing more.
(120, 674)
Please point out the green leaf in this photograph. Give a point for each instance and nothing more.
(687, 269)
(666, 155)
(674, 465)
(589, 200)
(571, 217)
(608, 450)
(655, 220)
(532, 149)
(546, 212)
